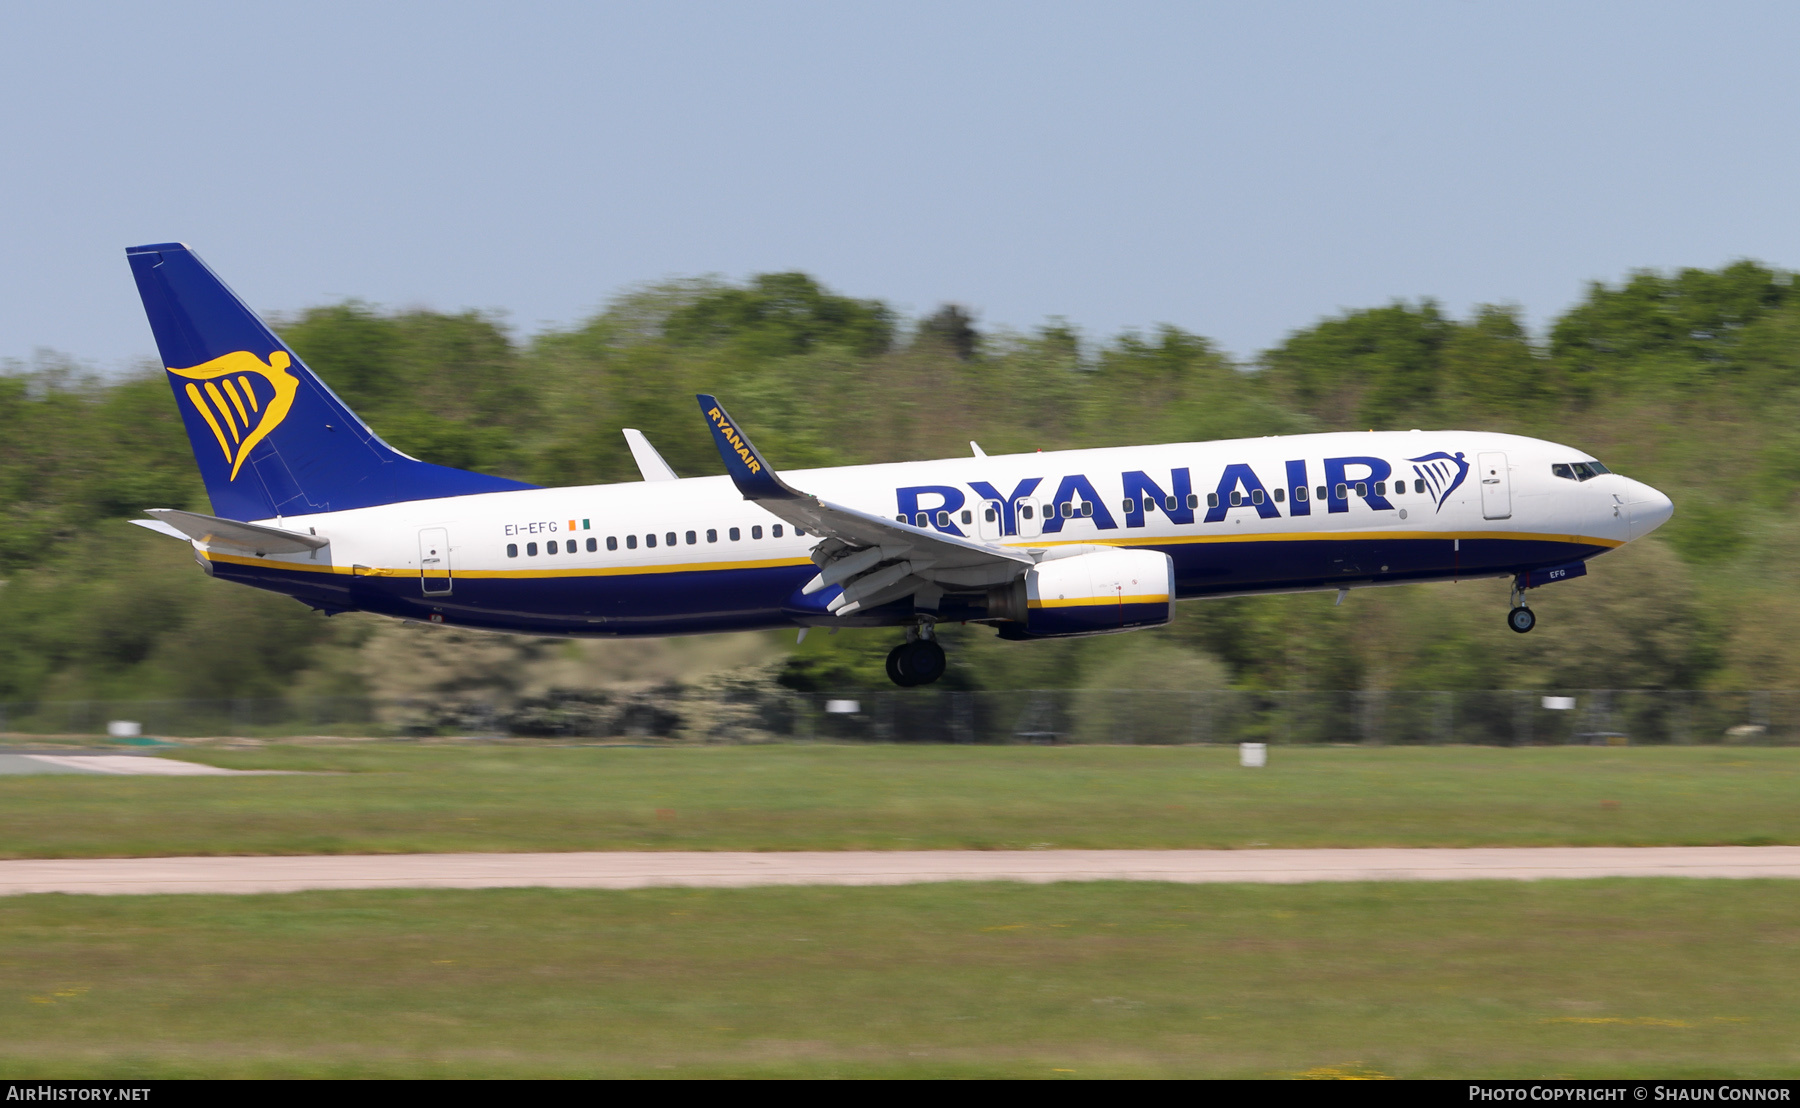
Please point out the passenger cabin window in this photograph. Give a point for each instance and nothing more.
(1024, 511)
(1299, 494)
(593, 545)
(1381, 488)
(1236, 498)
(1087, 508)
(919, 520)
(550, 547)
(1256, 496)
(775, 531)
(512, 550)
(1342, 492)
(1193, 500)
(1362, 488)
(1323, 492)
(1212, 500)
(736, 534)
(650, 541)
(669, 538)
(712, 534)
(1170, 504)
(967, 517)
(1419, 484)
(1067, 510)
(631, 542)
(989, 515)
(756, 532)
(1278, 493)
(943, 520)
(612, 542)
(531, 549)
(692, 538)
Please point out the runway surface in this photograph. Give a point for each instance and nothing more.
(136, 765)
(644, 869)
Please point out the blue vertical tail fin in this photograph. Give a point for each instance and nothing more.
(270, 438)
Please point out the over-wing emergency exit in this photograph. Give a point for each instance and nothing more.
(308, 501)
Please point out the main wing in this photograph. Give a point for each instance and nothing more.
(877, 560)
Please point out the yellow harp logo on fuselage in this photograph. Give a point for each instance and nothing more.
(241, 398)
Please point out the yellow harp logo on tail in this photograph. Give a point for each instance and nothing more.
(241, 398)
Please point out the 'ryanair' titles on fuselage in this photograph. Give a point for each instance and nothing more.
(1238, 486)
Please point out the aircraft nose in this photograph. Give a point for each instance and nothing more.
(1649, 508)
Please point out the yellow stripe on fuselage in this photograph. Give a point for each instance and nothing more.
(1099, 601)
(771, 563)
(610, 571)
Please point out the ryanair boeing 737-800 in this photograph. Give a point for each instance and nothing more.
(308, 501)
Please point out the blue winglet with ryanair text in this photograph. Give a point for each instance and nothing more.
(753, 476)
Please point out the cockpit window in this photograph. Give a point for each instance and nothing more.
(1577, 471)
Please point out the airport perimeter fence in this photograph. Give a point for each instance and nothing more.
(1371, 717)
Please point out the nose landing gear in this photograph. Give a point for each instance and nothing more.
(917, 661)
(1520, 619)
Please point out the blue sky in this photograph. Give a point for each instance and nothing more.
(1238, 170)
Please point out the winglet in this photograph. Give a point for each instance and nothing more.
(649, 462)
(752, 475)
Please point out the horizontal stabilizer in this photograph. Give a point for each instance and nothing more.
(159, 527)
(216, 533)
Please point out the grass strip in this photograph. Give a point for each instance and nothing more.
(394, 798)
(1657, 977)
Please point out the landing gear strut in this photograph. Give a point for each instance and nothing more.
(1520, 619)
(917, 661)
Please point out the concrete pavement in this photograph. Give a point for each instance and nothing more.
(644, 869)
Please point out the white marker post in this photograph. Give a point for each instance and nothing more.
(1254, 755)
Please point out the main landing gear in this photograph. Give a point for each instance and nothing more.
(917, 661)
(1520, 619)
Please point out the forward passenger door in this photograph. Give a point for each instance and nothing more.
(1496, 486)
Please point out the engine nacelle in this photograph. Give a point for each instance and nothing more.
(1097, 593)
